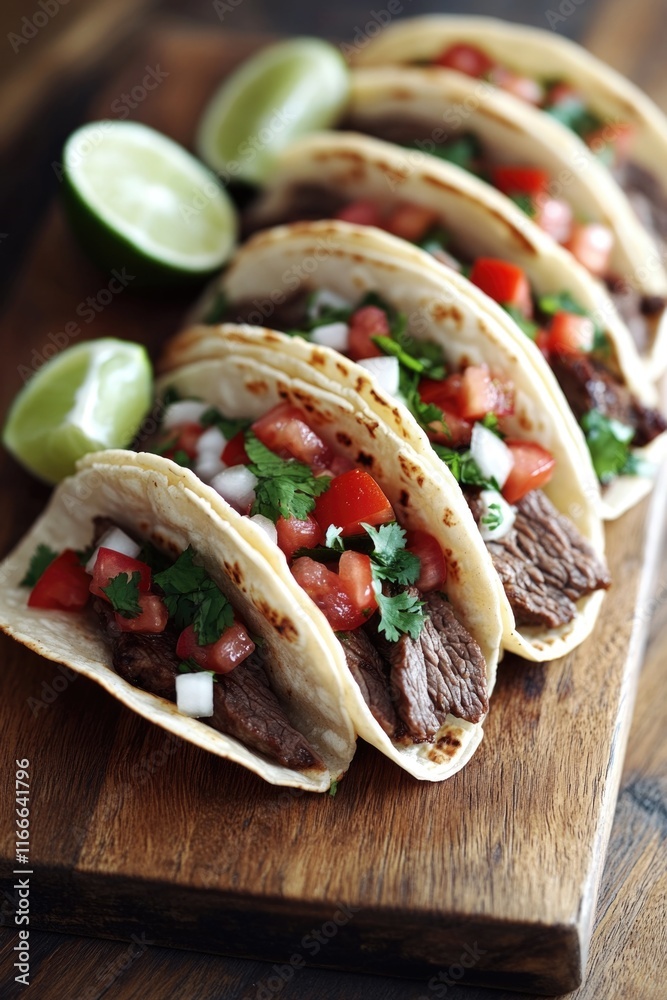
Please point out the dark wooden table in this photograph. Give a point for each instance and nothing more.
(628, 947)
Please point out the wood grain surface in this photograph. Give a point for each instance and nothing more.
(133, 835)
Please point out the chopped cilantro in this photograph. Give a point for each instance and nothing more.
(424, 413)
(423, 357)
(526, 325)
(332, 539)
(227, 426)
(42, 558)
(601, 343)
(188, 666)
(463, 152)
(154, 557)
(170, 395)
(575, 115)
(333, 788)
(285, 488)
(123, 592)
(525, 203)
(494, 517)
(399, 615)
(560, 302)
(162, 447)
(609, 444)
(490, 421)
(193, 598)
(463, 467)
(390, 559)
(182, 458)
(437, 238)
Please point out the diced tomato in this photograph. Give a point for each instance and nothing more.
(364, 324)
(294, 534)
(504, 282)
(524, 87)
(110, 564)
(453, 431)
(466, 59)
(433, 572)
(410, 222)
(533, 467)
(361, 213)
(232, 648)
(183, 438)
(591, 243)
(63, 586)
(482, 393)
(520, 180)
(563, 93)
(570, 334)
(153, 618)
(555, 217)
(284, 430)
(445, 392)
(619, 137)
(234, 452)
(326, 589)
(351, 499)
(355, 573)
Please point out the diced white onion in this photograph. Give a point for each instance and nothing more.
(194, 694)
(324, 299)
(335, 335)
(185, 411)
(505, 515)
(267, 526)
(236, 485)
(118, 541)
(492, 455)
(385, 370)
(211, 442)
(208, 466)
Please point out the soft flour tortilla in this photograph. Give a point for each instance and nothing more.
(445, 103)
(162, 503)
(440, 306)
(247, 384)
(486, 224)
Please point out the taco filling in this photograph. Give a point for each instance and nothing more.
(613, 420)
(544, 572)
(380, 587)
(610, 141)
(173, 633)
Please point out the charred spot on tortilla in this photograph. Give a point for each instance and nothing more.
(404, 498)
(234, 572)
(410, 470)
(344, 439)
(380, 400)
(283, 625)
(363, 458)
(441, 313)
(448, 517)
(258, 388)
(343, 369)
(449, 738)
(317, 358)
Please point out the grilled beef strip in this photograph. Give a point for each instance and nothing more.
(370, 672)
(543, 562)
(244, 704)
(441, 673)
(588, 385)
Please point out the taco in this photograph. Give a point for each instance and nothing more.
(544, 167)
(440, 340)
(387, 557)
(468, 227)
(131, 580)
(626, 130)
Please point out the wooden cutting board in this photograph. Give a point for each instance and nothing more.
(491, 876)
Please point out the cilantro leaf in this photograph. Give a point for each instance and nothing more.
(560, 302)
(153, 557)
(229, 428)
(285, 488)
(332, 539)
(217, 309)
(193, 598)
(525, 325)
(609, 444)
(421, 356)
(400, 615)
(463, 152)
(333, 788)
(424, 413)
(494, 517)
(42, 558)
(463, 467)
(436, 239)
(390, 560)
(123, 592)
(182, 458)
(525, 203)
(490, 421)
(170, 395)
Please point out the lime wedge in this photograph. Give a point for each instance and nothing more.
(88, 397)
(286, 90)
(138, 200)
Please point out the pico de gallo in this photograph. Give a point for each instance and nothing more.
(613, 421)
(172, 632)
(558, 98)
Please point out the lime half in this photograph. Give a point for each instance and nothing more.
(87, 398)
(138, 200)
(285, 91)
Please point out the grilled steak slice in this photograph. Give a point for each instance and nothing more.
(304, 202)
(588, 385)
(442, 672)
(368, 670)
(544, 563)
(246, 707)
(244, 704)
